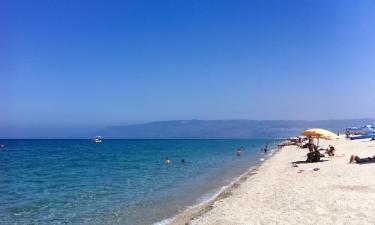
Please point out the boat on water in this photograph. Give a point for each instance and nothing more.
(97, 140)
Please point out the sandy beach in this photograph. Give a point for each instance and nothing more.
(275, 193)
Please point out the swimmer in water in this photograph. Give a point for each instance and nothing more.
(238, 152)
(167, 161)
(183, 161)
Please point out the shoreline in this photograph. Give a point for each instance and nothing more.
(200, 209)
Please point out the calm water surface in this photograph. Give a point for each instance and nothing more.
(116, 182)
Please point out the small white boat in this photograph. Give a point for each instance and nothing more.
(97, 140)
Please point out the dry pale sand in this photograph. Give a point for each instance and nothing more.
(274, 193)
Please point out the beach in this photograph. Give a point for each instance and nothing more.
(278, 193)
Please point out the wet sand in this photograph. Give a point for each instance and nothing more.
(275, 193)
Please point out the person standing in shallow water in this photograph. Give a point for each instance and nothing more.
(238, 152)
(266, 148)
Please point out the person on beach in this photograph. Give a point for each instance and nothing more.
(311, 147)
(167, 161)
(313, 155)
(310, 143)
(299, 143)
(331, 151)
(347, 134)
(238, 152)
(356, 159)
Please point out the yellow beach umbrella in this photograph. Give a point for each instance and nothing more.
(320, 133)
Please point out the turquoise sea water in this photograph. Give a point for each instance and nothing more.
(116, 182)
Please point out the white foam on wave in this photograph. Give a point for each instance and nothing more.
(209, 196)
(164, 222)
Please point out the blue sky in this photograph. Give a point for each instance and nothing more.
(97, 63)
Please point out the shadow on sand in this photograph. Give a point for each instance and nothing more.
(304, 162)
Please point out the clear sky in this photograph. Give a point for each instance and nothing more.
(97, 63)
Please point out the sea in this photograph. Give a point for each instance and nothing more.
(117, 181)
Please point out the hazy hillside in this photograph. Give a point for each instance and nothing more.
(226, 128)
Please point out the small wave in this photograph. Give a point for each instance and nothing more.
(202, 200)
(164, 222)
(211, 196)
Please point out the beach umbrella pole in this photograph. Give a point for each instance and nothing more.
(318, 141)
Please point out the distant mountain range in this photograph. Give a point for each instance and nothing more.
(217, 129)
